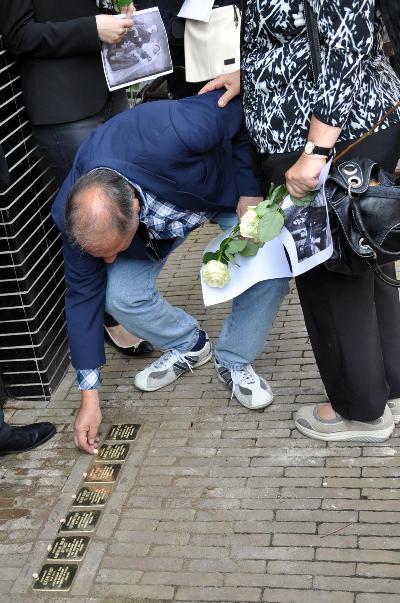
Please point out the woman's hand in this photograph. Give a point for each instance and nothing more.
(111, 29)
(303, 176)
(128, 10)
(230, 81)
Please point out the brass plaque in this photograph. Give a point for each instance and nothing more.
(103, 473)
(92, 496)
(113, 452)
(80, 521)
(54, 576)
(123, 432)
(71, 548)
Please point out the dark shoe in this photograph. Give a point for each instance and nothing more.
(20, 439)
(141, 349)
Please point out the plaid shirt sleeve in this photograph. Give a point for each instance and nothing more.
(88, 378)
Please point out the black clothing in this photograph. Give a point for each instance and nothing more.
(357, 84)
(390, 10)
(20, 439)
(353, 321)
(58, 49)
(178, 87)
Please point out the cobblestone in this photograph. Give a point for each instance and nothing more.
(214, 503)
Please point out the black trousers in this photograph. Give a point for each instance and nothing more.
(353, 321)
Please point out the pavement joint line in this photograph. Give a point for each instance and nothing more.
(215, 503)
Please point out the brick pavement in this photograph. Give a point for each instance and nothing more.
(215, 503)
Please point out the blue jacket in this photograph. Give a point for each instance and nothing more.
(189, 152)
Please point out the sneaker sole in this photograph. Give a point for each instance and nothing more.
(154, 389)
(396, 419)
(348, 436)
(242, 403)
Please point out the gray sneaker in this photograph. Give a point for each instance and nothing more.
(394, 406)
(309, 423)
(171, 365)
(248, 388)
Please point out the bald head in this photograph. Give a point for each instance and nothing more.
(101, 212)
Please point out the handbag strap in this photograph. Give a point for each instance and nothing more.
(368, 238)
(368, 133)
(313, 40)
(388, 280)
(316, 63)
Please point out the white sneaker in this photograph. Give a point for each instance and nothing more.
(248, 388)
(310, 424)
(171, 365)
(394, 406)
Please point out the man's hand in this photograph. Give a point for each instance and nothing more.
(244, 203)
(303, 176)
(230, 81)
(87, 421)
(111, 29)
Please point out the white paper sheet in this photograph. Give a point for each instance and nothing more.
(270, 262)
(306, 237)
(142, 55)
(199, 10)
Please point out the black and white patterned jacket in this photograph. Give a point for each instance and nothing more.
(356, 87)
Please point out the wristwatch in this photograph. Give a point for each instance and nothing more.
(312, 149)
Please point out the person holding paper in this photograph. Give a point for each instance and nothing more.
(295, 121)
(139, 185)
(178, 85)
(65, 91)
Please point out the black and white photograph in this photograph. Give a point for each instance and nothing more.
(308, 227)
(142, 55)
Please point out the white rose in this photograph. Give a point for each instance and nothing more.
(249, 224)
(215, 274)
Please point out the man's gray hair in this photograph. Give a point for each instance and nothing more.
(113, 213)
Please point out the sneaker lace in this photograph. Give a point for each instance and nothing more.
(243, 376)
(169, 358)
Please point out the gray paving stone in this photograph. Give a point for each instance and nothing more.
(83, 584)
(357, 555)
(382, 570)
(183, 578)
(306, 596)
(218, 594)
(214, 502)
(368, 598)
(372, 585)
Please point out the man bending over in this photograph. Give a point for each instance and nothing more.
(139, 185)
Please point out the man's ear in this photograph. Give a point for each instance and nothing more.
(136, 204)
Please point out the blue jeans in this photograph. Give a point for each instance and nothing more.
(60, 142)
(133, 300)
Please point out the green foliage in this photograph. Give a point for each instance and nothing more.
(120, 4)
(236, 246)
(304, 201)
(278, 194)
(262, 208)
(208, 256)
(271, 221)
(271, 225)
(250, 249)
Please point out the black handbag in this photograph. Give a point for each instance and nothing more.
(363, 200)
(364, 214)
